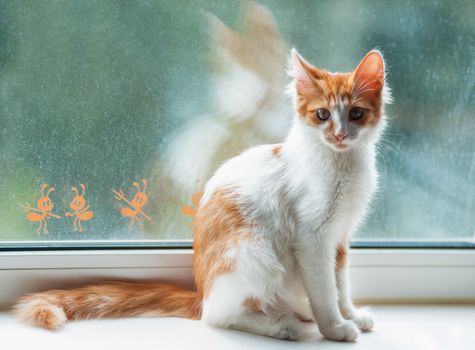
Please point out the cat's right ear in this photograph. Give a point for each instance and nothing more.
(304, 73)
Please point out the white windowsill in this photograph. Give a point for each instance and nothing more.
(397, 327)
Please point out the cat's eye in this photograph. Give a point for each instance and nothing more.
(323, 113)
(356, 113)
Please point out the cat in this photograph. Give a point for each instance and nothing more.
(272, 228)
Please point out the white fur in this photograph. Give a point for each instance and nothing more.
(305, 202)
(34, 311)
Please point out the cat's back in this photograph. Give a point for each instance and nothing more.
(255, 169)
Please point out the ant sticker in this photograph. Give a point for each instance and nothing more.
(44, 210)
(81, 210)
(134, 210)
(195, 200)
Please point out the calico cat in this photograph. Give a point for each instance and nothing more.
(271, 232)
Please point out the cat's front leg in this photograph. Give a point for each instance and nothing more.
(316, 264)
(362, 318)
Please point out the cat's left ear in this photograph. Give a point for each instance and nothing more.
(370, 73)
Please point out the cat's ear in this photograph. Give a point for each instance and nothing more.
(305, 74)
(369, 75)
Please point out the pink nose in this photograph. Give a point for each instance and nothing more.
(341, 136)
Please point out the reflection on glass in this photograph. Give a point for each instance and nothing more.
(132, 104)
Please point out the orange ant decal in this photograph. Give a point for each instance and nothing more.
(44, 210)
(195, 200)
(136, 204)
(81, 212)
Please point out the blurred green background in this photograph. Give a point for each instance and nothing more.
(93, 92)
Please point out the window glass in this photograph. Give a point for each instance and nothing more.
(114, 114)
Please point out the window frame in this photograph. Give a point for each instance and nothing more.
(377, 275)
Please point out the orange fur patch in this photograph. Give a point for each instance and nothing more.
(341, 256)
(219, 226)
(253, 304)
(276, 150)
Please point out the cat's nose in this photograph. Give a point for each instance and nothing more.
(341, 135)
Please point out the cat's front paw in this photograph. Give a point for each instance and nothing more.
(364, 320)
(344, 331)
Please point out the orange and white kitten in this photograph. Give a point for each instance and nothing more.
(273, 224)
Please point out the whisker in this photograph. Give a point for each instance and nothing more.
(364, 84)
(389, 133)
(388, 144)
(362, 88)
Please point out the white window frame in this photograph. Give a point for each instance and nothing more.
(378, 275)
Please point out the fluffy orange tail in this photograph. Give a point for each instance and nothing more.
(53, 308)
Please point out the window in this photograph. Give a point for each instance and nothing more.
(126, 109)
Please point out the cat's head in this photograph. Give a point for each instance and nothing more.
(343, 109)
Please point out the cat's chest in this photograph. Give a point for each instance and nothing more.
(334, 196)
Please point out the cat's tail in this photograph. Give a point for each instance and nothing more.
(53, 308)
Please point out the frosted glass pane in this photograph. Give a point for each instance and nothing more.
(108, 93)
